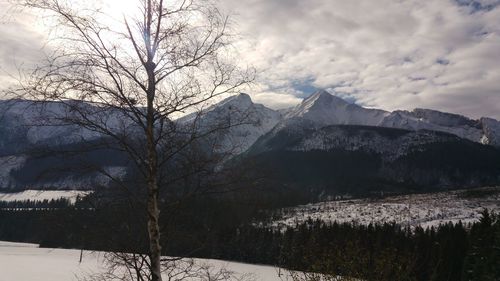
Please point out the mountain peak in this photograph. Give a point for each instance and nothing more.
(240, 101)
(242, 96)
(327, 109)
(318, 93)
(322, 96)
(321, 101)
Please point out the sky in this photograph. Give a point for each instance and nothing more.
(388, 54)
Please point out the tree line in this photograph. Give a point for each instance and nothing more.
(230, 230)
(376, 251)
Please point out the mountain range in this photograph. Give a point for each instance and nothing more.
(324, 142)
(325, 109)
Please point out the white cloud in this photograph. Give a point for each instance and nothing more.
(391, 54)
(276, 100)
(21, 43)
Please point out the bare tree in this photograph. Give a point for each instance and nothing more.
(133, 267)
(134, 78)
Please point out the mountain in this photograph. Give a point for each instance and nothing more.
(491, 130)
(325, 109)
(34, 137)
(365, 145)
(54, 123)
(427, 119)
(358, 159)
(38, 145)
(243, 122)
(329, 145)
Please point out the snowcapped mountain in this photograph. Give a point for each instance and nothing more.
(303, 135)
(241, 120)
(391, 144)
(361, 159)
(53, 123)
(426, 119)
(322, 108)
(34, 137)
(321, 123)
(329, 145)
(326, 109)
(28, 129)
(26, 123)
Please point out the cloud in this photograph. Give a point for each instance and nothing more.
(21, 43)
(276, 100)
(390, 54)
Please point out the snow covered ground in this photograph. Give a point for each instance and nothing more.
(40, 195)
(27, 262)
(420, 209)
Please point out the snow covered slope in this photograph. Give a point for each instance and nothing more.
(54, 123)
(25, 125)
(243, 122)
(322, 108)
(365, 159)
(326, 109)
(300, 134)
(427, 119)
(27, 262)
(389, 143)
(24, 122)
(35, 138)
(41, 123)
(28, 127)
(491, 129)
(408, 210)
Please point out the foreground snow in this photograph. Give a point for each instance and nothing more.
(408, 210)
(27, 262)
(41, 195)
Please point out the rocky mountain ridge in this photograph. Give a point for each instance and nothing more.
(322, 122)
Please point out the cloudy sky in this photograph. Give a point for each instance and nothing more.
(390, 54)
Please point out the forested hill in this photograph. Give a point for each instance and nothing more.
(363, 159)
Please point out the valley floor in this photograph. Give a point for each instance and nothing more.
(27, 262)
(424, 210)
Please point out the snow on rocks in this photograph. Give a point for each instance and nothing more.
(368, 140)
(325, 109)
(245, 122)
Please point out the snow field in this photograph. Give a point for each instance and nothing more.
(41, 195)
(27, 262)
(423, 210)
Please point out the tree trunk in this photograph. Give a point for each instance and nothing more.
(154, 232)
(152, 205)
(152, 157)
(152, 179)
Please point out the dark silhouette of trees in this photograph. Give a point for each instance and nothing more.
(127, 82)
(225, 229)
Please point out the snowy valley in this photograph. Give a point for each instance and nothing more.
(424, 210)
(64, 265)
